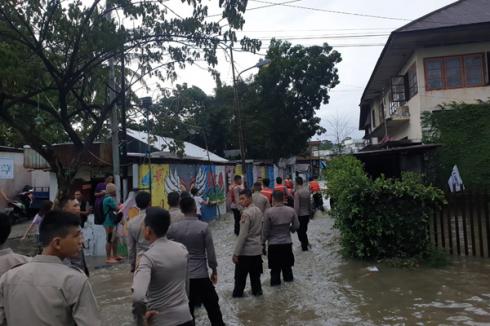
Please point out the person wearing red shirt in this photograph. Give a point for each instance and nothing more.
(289, 183)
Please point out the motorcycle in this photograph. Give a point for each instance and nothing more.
(21, 207)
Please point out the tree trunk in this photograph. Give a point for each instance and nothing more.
(64, 184)
(64, 178)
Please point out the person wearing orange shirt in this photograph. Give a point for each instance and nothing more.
(266, 191)
(317, 194)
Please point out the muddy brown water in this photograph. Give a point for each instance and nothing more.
(328, 289)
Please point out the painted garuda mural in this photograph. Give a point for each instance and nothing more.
(208, 181)
(179, 183)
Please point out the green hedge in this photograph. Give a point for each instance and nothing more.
(464, 132)
(382, 218)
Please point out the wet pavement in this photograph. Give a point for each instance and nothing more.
(328, 289)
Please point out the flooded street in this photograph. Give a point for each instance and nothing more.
(328, 289)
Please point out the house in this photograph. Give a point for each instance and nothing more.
(160, 172)
(439, 58)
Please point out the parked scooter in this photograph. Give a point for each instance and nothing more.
(20, 208)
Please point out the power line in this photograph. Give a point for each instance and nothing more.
(315, 37)
(272, 4)
(322, 30)
(359, 45)
(332, 11)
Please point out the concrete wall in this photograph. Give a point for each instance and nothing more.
(22, 177)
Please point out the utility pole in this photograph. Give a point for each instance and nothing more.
(114, 121)
(146, 103)
(236, 105)
(124, 157)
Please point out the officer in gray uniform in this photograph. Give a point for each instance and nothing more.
(279, 221)
(302, 207)
(137, 243)
(258, 199)
(161, 277)
(8, 258)
(173, 199)
(247, 255)
(44, 291)
(197, 238)
(72, 205)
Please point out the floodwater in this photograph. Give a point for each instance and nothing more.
(328, 289)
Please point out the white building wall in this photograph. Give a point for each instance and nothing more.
(430, 100)
(22, 177)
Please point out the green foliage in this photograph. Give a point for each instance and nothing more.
(56, 56)
(381, 218)
(464, 132)
(190, 114)
(326, 145)
(278, 107)
(279, 111)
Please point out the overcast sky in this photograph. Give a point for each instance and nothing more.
(310, 27)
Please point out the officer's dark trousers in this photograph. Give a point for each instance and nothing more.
(248, 265)
(281, 259)
(201, 290)
(303, 228)
(236, 216)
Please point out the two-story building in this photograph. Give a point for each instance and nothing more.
(439, 58)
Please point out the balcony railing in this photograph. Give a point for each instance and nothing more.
(398, 111)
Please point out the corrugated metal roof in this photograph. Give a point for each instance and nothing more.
(459, 13)
(190, 150)
(34, 160)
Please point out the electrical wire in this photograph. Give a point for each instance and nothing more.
(272, 4)
(322, 30)
(332, 11)
(315, 37)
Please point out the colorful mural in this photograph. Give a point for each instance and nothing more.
(158, 175)
(209, 180)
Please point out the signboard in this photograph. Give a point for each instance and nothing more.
(6, 168)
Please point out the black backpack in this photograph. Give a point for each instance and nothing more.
(115, 217)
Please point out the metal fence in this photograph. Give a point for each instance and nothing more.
(462, 227)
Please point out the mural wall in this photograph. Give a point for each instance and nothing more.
(254, 173)
(165, 178)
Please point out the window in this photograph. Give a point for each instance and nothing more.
(454, 72)
(411, 76)
(433, 70)
(473, 67)
(454, 78)
(398, 89)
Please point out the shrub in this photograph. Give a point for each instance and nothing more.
(381, 218)
(463, 130)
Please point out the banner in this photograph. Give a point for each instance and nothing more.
(6, 168)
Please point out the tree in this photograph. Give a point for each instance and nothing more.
(279, 108)
(55, 60)
(338, 129)
(326, 145)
